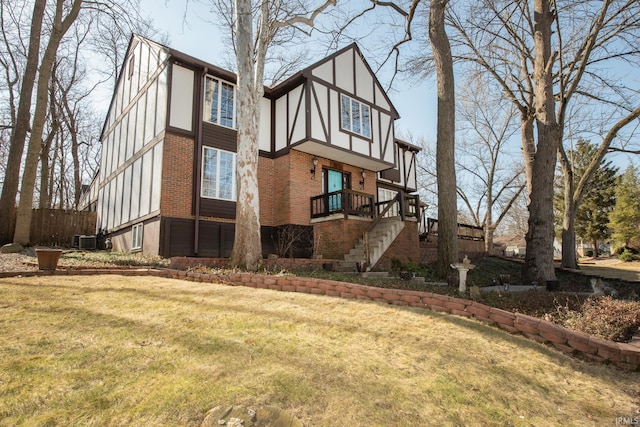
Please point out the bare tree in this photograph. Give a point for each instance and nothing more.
(445, 149)
(574, 192)
(21, 117)
(62, 20)
(255, 26)
(487, 184)
(51, 21)
(544, 59)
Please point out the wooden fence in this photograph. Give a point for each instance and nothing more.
(56, 227)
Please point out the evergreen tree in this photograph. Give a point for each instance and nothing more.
(625, 218)
(592, 217)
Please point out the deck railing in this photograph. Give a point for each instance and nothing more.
(350, 202)
(346, 202)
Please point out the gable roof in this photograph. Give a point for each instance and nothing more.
(307, 73)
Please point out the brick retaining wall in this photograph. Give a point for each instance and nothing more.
(622, 355)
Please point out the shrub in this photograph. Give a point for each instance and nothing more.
(605, 317)
(627, 255)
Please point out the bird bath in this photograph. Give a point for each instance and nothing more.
(463, 267)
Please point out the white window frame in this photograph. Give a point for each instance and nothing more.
(209, 102)
(136, 236)
(357, 125)
(204, 192)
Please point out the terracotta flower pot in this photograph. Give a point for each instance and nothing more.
(48, 258)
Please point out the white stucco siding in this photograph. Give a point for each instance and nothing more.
(344, 71)
(296, 115)
(387, 143)
(281, 123)
(126, 195)
(161, 101)
(125, 84)
(324, 71)
(145, 186)
(364, 81)
(117, 218)
(135, 189)
(150, 117)
(133, 76)
(264, 143)
(338, 138)
(139, 136)
(181, 109)
(145, 67)
(100, 210)
(360, 146)
(319, 112)
(381, 101)
(410, 171)
(131, 130)
(112, 203)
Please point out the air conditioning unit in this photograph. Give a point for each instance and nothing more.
(87, 242)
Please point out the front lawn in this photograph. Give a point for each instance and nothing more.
(114, 350)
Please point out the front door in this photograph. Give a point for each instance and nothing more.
(336, 181)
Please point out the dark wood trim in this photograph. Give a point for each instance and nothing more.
(217, 208)
(317, 103)
(308, 88)
(357, 98)
(176, 235)
(290, 130)
(219, 137)
(392, 174)
(353, 72)
(272, 121)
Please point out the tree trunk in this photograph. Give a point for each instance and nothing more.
(539, 258)
(596, 253)
(21, 126)
(569, 256)
(77, 182)
(247, 245)
(22, 232)
(445, 148)
(528, 146)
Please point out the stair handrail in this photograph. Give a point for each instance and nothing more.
(376, 220)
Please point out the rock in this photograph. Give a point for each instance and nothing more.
(11, 248)
(237, 416)
(601, 288)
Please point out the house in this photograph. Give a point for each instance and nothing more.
(329, 161)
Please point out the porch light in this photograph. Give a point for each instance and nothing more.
(364, 175)
(313, 170)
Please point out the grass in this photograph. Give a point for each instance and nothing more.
(113, 350)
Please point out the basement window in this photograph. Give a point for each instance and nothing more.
(136, 237)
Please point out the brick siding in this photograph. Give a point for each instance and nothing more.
(177, 176)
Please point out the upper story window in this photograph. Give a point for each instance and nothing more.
(219, 102)
(355, 116)
(218, 174)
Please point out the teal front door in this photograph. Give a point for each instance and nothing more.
(335, 182)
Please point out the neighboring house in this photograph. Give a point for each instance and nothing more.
(329, 160)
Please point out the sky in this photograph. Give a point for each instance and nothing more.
(415, 101)
(191, 34)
